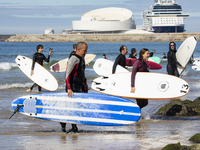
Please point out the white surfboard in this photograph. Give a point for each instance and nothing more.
(62, 64)
(41, 75)
(104, 67)
(185, 52)
(147, 85)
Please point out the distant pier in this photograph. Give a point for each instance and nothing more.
(136, 37)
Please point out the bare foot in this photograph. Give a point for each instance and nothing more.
(29, 90)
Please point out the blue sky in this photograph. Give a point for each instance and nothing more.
(34, 16)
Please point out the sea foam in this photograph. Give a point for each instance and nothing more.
(15, 85)
(7, 65)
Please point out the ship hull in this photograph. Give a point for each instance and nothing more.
(168, 29)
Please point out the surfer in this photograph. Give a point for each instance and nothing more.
(132, 56)
(75, 77)
(164, 56)
(172, 61)
(140, 66)
(104, 56)
(133, 53)
(121, 59)
(39, 58)
(74, 51)
(151, 54)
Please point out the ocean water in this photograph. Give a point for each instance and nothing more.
(150, 132)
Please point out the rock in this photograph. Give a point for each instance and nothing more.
(172, 146)
(181, 108)
(195, 138)
(179, 147)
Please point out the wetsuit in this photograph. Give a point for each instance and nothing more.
(131, 56)
(139, 66)
(75, 79)
(120, 60)
(172, 63)
(151, 54)
(38, 57)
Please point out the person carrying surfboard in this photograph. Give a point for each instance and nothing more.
(140, 66)
(39, 58)
(75, 77)
(121, 59)
(172, 60)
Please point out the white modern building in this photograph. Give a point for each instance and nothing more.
(105, 20)
(49, 31)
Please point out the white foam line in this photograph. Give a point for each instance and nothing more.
(92, 110)
(56, 117)
(81, 100)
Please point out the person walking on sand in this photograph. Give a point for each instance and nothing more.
(172, 61)
(121, 59)
(140, 66)
(39, 58)
(75, 77)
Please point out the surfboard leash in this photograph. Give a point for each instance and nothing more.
(18, 106)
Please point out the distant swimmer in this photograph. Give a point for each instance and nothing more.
(164, 56)
(104, 56)
(140, 66)
(172, 60)
(121, 59)
(39, 58)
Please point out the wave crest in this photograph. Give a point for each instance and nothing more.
(7, 66)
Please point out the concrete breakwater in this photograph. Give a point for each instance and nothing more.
(136, 37)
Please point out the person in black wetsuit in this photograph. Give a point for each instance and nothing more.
(121, 59)
(151, 54)
(74, 51)
(38, 57)
(133, 53)
(172, 61)
(75, 77)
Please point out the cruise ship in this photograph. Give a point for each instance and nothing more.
(165, 16)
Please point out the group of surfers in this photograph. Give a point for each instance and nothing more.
(75, 73)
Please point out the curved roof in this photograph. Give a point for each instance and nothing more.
(108, 14)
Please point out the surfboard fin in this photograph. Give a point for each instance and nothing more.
(104, 77)
(100, 89)
(97, 83)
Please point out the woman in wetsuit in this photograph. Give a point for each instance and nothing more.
(38, 57)
(172, 61)
(140, 66)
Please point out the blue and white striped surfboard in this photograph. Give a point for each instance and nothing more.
(83, 108)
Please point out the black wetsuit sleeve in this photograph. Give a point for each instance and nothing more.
(46, 59)
(34, 60)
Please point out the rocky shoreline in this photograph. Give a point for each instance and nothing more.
(136, 37)
(179, 108)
